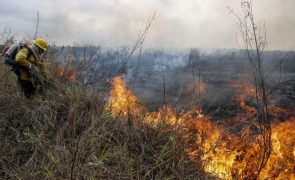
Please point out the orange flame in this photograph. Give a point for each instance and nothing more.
(201, 87)
(67, 74)
(247, 92)
(123, 102)
(281, 164)
(225, 154)
(197, 88)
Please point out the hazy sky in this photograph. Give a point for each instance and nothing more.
(178, 23)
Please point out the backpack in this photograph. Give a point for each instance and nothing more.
(10, 55)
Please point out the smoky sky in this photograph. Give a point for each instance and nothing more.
(178, 24)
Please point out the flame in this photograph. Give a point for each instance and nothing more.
(201, 87)
(246, 92)
(123, 102)
(198, 88)
(166, 114)
(223, 153)
(281, 163)
(67, 74)
(60, 71)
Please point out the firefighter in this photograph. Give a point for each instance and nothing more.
(33, 73)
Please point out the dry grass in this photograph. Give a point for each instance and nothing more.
(66, 134)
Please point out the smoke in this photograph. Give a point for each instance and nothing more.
(178, 24)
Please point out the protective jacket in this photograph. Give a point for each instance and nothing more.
(23, 60)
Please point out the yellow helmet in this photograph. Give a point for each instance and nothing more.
(41, 43)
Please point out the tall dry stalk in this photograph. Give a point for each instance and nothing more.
(254, 38)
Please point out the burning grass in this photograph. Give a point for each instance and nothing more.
(71, 132)
(67, 133)
(122, 101)
(217, 149)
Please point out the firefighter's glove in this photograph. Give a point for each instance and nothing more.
(33, 68)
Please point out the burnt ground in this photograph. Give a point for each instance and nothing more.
(220, 98)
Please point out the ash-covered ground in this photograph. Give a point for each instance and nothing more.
(211, 79)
